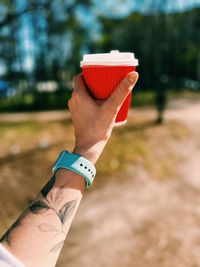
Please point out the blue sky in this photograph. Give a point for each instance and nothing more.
(124, 7)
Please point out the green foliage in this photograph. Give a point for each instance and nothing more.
(166, 44)
(36, 101)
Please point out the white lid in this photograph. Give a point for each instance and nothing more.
(113, 58)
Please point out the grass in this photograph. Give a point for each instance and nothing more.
(184, 94)
(148, 146)
(143, 98)
(29, 135)
(130, 144)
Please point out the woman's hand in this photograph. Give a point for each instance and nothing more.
(94, 120)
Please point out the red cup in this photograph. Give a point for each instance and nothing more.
(103, 79)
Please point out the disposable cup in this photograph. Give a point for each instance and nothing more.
(103, 72)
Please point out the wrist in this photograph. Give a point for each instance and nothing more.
(91, 153)
(71, 179)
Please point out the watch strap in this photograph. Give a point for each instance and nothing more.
(76, 163)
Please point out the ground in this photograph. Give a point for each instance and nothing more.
(146, 214)
(142, 221)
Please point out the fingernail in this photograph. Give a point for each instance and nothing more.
(132, 76)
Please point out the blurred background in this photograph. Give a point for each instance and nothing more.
(143, 208)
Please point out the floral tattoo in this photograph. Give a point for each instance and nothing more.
(44, 205)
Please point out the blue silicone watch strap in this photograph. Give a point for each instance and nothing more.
(76, 163)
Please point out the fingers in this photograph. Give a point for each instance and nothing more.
(118, 96)
(123, 89)
(79, 85)
(80, 92)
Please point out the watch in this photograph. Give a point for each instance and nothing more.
(76, 163)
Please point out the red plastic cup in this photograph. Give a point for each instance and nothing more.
(102, 74)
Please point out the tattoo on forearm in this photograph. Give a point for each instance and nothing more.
(63, 214)
(6, 237)
(43, 205)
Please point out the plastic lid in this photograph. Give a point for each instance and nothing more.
(114, 58)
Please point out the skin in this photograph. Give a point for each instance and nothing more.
(36, 238)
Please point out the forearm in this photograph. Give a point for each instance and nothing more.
(36, 238)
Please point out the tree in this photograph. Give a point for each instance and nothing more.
(165, 43)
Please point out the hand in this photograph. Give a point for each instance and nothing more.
(94, 120)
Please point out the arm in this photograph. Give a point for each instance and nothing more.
(37, 237)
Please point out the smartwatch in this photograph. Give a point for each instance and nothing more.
(76, 163)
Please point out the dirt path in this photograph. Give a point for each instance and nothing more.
(140, 221)
(34, 116)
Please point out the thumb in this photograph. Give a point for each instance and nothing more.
(122, 90)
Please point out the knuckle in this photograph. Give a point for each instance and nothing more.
(74, 94)
(122, 88)
(69, 103)
(76, 78)
(74, 98)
